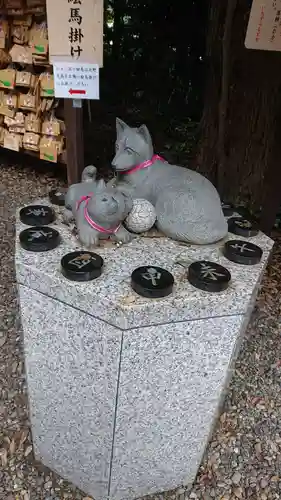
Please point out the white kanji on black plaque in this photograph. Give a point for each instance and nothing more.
(82, 260)
(36, 234)
(243, 223)
(207, 271)
(37, 211)
(152, 275)
(242, 247)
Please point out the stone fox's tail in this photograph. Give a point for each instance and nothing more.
(180, 216)
(89, 173)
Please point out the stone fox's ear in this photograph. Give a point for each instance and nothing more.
(144, 132)
(111, 183)
(101, 186)
(128, 202)
(120, 126)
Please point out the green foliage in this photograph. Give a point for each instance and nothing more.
(154, 73)
(154, 57)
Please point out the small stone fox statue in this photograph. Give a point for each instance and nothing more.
(188, 206)
(98, 210)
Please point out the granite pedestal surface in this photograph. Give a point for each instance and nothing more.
(123, 390)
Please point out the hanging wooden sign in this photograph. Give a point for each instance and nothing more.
(75, 29)
(264, 28)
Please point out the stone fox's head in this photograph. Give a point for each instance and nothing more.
(108, 205)
(133, 146)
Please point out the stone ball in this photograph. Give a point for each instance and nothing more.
(142, 216)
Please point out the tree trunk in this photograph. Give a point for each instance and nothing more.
(119, 10)
(225, 82)
(206, 158)
(254, 100)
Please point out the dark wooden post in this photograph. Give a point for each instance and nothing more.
(74, 140)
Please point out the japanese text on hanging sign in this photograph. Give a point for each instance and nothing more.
(76, 31)
(264, 28)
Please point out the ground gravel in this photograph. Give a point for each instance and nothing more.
(243, 460)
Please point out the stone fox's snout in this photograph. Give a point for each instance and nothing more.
(123, 160)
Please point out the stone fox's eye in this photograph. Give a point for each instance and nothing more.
(129, 151)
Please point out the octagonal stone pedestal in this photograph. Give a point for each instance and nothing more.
(123, 390)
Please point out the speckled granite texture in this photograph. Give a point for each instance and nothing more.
(124, 390)
(170, 382)
(72, 364)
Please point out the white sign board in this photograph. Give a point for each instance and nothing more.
(76, 80)
(264, 28)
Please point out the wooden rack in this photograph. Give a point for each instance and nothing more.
(32, 120)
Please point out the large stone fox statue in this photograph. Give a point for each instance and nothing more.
(188, 206)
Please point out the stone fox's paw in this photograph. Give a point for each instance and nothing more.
(88, 236)
(67, 216)
(124, 236)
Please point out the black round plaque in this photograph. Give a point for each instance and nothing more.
(39, 239)
(242, 252)
(227, 208)
(242, 227)
(208, 276)
(37, 215)
(57, 197)
(152, 282)
(81, 266)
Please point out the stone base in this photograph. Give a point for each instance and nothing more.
(124, 391)
(123, 414)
